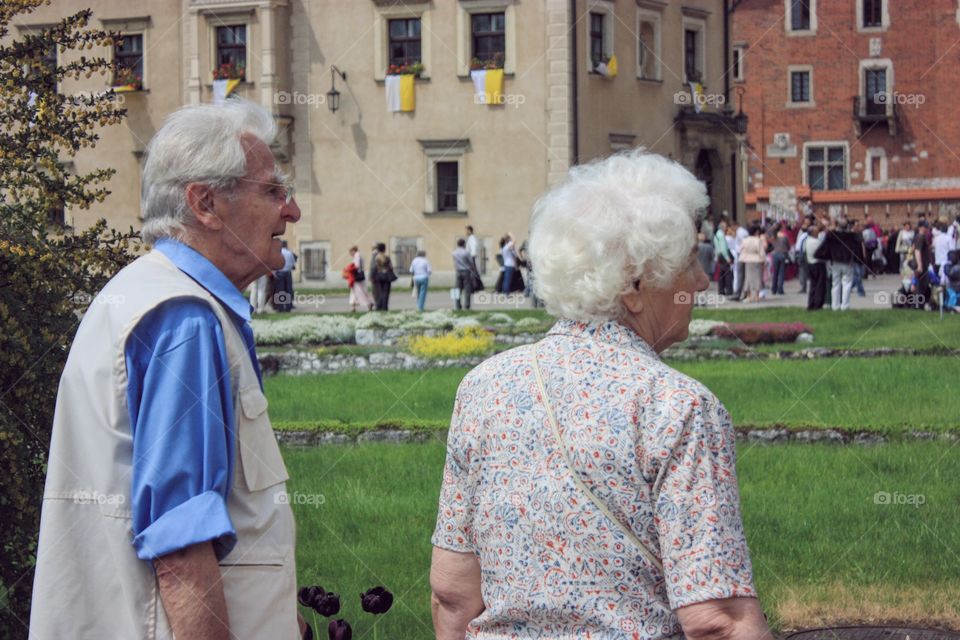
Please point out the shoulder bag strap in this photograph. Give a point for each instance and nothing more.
(651, 557)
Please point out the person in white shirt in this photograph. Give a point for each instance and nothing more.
(742, 234)
(941, 247)
(421, 270)
(803, 270)
(816, 269)
(509, 263)
(473, 246)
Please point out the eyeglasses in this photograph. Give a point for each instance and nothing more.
(280, 190)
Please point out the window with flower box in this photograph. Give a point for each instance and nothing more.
(404, 41)
(128, 61)
(489, 41)
(488, 36)
(231, 52)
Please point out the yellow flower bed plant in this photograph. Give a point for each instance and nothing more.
(462, 343)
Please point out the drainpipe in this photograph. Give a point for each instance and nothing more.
(727, 10)
(575, 117)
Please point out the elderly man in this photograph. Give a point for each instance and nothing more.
(164, 511)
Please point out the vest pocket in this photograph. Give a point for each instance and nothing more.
(259, 456)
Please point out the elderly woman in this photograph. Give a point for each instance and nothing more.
(590, 490)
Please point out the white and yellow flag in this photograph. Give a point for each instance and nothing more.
(487, 86)
(400, 92)
(608, 69)
(696, 94)
(223, 88)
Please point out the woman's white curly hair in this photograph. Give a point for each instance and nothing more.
(628, 217)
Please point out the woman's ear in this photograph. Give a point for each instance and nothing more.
(200, 202)
(633, 299)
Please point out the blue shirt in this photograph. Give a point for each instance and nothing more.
(181, 414)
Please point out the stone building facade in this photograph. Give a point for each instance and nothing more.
(415, 179)
(851, 105)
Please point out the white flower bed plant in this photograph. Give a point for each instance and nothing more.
(700, 328)
(528, 323)
(304, 329)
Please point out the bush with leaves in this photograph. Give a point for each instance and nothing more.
(48, 273)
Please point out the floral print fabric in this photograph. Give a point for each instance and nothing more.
(655, 446)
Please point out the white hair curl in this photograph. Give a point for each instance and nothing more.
(629, 217)
(198, 143)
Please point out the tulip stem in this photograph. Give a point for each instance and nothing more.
(316, 629)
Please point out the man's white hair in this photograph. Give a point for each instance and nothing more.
(629, 217)
(198, 143)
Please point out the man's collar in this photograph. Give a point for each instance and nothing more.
(207, 275)
(608, 332)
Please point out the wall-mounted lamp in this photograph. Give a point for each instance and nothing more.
(333, 96)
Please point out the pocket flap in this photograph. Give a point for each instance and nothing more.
(260, 456)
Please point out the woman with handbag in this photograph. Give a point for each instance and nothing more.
(590, 490)
(356, 281)
(383, 272)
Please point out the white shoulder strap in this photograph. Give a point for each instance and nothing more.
(651, 557)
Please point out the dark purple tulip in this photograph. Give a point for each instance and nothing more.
(327, 604)
(340, 630)
(307, 595)
(376, 600)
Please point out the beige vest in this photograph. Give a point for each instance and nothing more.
(89, 582)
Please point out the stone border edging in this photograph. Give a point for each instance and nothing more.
(774, 435)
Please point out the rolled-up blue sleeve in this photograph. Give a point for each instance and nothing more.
(181, 416)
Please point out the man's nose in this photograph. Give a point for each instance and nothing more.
(291, 210)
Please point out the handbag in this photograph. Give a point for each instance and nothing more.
(650, 556)
(359, 275)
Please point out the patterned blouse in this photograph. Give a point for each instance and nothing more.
(655, 446)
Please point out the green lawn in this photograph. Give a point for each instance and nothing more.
(891, 394)
(822, 548)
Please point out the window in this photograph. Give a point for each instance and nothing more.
(875, 91)
(398, 36)
(801, 17)
(799, 86)
(314, 259)
(876, 165)
(448, 185)
(446, 162)
(404, 251)
(596, 38)
(494, 31)
(128, 58)
(232, 48)
(693, 50)
(648, 45)
(872, 13)
(404, 41)
(826, 167)
(738, 64)
(488, 33)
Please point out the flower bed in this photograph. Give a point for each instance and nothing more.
(469, 341)
(305, 330)
(761, 332)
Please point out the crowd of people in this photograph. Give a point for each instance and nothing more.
(831, 257)
(466, 265)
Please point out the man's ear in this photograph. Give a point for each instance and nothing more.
(200, 202)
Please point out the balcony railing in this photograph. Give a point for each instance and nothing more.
(868, 112)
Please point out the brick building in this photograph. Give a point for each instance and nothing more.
(852, 106)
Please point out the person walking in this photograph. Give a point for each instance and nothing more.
(904, 248)
(816, 270)
(509, 264)
(473, 247)
(464, 266)
(752, 256)
(421, 270)
(781, 249)
(357, 282)
(724, 260)
(923, 255)
(374, 283)
(258, 293)
(283, 294)
(705, 253)
(803, 267)
(842, 248)
(384, 276)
